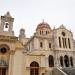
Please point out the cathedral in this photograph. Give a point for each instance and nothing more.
(46, 51)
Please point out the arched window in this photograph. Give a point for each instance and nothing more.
(3, 67)
(41, 44)
(59, 42)
(71, 61)
(34, 68)
(65, 43)
(40, 32)
(46, 32)
(6, 26)
(49, 45)
(66, 61)
(51, 61)
(61, 61)
(69, 43)
(2, 71)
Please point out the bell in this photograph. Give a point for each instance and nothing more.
(6, 26)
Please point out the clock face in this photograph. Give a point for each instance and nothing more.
(3, 50)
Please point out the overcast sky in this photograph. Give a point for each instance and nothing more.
(28, 14)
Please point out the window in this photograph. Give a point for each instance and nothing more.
(61, 61)
(66, 61)
(41, 44)
(6, 26)
(3, 67)
(40, 32)
(71, 61)
(59, 42)
(63, 33)
(51, 61)
(46, 32)
(65, 43)
(49, 45)
(34, 68)
(2, 71)
(3, 50)
(69, 43)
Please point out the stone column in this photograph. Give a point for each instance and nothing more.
(55, 59)
(63, 62)
(69, 62)
(11, 61)
(46, 62)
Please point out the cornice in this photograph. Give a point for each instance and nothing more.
(8, 38)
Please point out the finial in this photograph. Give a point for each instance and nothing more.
(8, 14)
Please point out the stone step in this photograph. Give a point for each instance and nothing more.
(69, 71)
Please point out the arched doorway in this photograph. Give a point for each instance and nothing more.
(66, 61)
(51, 61)
(71, 61)
(61, 61)
(3, 67)
(34, 68)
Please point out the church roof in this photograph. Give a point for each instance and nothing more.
(43, 25)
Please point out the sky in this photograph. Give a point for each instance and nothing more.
(28, 14)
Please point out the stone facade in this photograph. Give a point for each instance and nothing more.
(37, 55)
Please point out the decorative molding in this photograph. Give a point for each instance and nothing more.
(8, 38)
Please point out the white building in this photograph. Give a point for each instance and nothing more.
(37, 55)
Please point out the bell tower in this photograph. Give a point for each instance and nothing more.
(6, 25)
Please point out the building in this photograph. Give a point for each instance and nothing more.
(37, 55)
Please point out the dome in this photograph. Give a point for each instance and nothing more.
(43, 25)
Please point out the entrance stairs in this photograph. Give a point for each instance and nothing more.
(55, 71)
(69, 70)
(63, 71)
